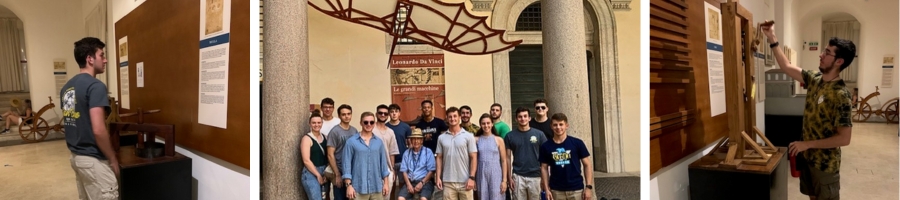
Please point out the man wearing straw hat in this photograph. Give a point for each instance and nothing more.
(417, 167)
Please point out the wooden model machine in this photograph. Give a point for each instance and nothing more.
(739, 150)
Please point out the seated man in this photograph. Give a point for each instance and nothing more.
(12, 118)
(418, 168)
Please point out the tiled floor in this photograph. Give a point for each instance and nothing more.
(869, 165)
(37, 171)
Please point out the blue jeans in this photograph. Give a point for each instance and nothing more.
(311, 184)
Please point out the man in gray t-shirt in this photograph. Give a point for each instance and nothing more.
(457, 160)
(336, 140)
(84, 103)
(524, 144)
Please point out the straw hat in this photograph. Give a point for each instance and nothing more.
(416, 133)
(15, 102)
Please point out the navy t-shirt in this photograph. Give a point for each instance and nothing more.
(77, 97)
(431, 131)
(401, 131)
(565, 163)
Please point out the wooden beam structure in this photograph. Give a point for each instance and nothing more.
(739, 38)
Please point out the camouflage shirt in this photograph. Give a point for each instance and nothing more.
(471, 128)
(827, 108)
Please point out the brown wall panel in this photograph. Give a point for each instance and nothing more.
(164, 34)
(678, 39)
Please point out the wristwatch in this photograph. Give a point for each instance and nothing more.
(589, 187)
(472, 178)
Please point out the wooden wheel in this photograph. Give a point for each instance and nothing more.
(35, 132)
(59, 127)
(863, 112)
(891, 112)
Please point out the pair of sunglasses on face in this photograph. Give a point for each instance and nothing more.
(368, 122)
(540, 107)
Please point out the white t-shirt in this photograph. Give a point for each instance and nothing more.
(328, 124)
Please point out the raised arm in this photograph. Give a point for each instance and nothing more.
(790, 69)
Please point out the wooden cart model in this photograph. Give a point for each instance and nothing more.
(38, 129)
(864, 109)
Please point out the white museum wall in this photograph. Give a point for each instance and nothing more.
(216, 179)
(671, 182)
(51, 28)
(879, 27)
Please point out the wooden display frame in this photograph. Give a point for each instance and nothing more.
(740, 147)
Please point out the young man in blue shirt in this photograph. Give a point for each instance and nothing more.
(365, 164)
(560, 159)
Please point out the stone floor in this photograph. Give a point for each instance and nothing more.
(627, 187)
(869, 169)
(37, 171)
(869, 165)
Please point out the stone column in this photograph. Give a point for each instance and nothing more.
(285, 97)
(502, 86)
(565, 66)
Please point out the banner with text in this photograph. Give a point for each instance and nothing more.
(415, 78)
(215, 34)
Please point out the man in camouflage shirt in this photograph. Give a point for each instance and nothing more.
(826, 117)
(466, 116)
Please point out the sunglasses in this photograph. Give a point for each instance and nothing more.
(368, 122)
(540, 107)
(382, 113)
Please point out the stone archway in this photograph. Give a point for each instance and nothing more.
(607, 132)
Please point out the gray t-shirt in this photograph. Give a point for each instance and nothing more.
(337, 138)
(525, 147)
(78, 96)
(455, 150)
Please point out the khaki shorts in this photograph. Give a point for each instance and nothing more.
(817, 183)
(95, 179)
(567, 195)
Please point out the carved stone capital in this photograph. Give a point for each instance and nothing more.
(482, 5)
(620, 5)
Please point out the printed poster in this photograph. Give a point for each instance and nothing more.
(140, 74)
(716, 57)
(123, 73)
(887, 74)
(59, 74)
(215, 21)
(415, 78)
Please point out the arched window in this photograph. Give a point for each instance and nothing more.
(530, 19)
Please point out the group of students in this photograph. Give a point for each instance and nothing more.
(437, 159)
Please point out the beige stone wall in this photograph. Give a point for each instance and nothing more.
(628, 44)
(348, 62)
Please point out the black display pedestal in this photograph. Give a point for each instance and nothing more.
(757, 183)
(158, 178)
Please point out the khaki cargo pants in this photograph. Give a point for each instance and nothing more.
(95, 179)
(817, 183)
